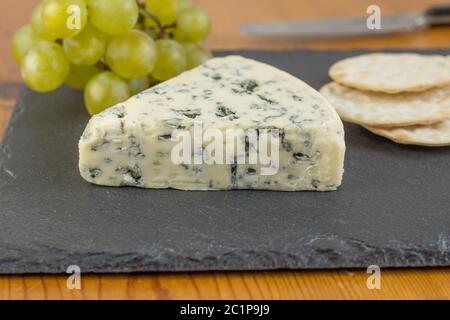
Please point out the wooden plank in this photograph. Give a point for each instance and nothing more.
(8, 94)
(340, 284)
(6, 107)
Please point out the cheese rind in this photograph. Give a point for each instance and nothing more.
(130, 144)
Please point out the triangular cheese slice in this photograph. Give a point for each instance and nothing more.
(232, 123)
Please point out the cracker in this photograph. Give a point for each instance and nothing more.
(393, 72)
(436, 135)
(387, 110)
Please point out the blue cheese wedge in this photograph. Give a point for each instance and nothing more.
(132, 143)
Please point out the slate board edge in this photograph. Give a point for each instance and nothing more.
(239, 261)
(19, 108)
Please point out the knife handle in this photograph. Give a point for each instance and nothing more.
(438, 15)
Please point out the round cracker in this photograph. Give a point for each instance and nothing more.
(393, 72)
(436, 135)
(387, 110)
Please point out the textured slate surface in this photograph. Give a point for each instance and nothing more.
(392, 210)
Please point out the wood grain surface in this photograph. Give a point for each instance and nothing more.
(227, 15)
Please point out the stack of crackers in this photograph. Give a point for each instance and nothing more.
(404, 97)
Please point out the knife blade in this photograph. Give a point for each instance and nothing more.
(356, 26)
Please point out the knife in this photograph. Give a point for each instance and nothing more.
(357, 26)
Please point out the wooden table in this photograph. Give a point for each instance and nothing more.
(339, 284)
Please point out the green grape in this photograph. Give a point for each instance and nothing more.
(114, 17)
(79, 76)
(105, 90)
(38, 24)
(183, 4)
(164, 10)
(64, 18)
(24, 39)
(171, 60)
(87, 48)
(196, 55)
(131, 55)
(139, 84)
(193, 25)
(45, 67)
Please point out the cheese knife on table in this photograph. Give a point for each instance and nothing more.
(351, 27)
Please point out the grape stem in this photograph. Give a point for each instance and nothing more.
(162, 29)
(102, 66)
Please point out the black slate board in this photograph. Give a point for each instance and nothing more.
(392, 210)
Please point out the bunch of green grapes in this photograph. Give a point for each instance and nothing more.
(111, 49)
